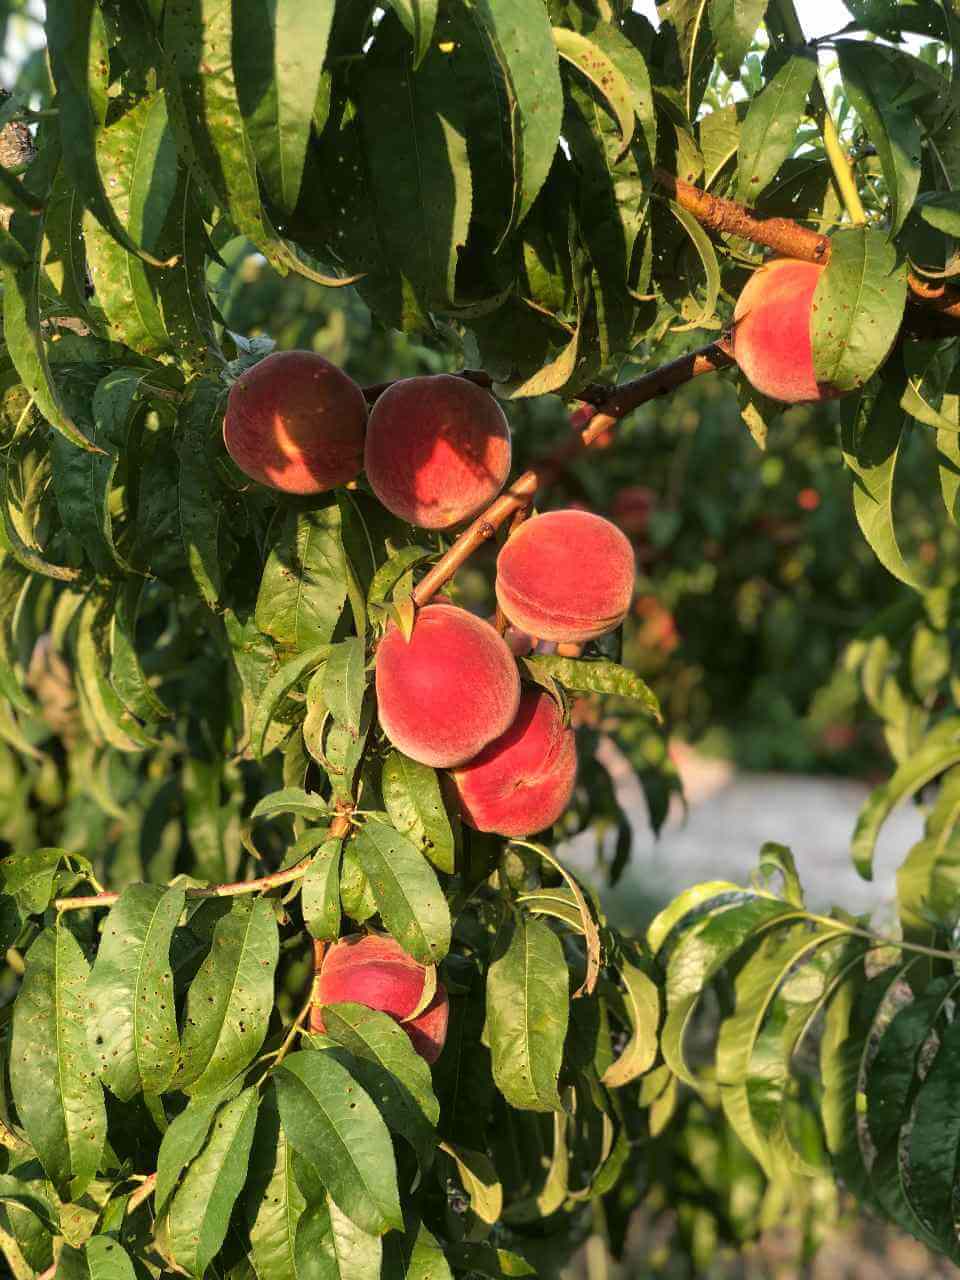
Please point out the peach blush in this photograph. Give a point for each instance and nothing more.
(295, 422)
(437, 450)
(566, 575)
(374, 970)
(523, 781)
(771, 332)
(449, 690)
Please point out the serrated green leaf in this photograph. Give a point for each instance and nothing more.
(134, 1028)
(107, 1259)
(940, 750)
(334, 1124)
(185, 1137)
(872, 425)
(587, 676)
(411, 792)
(734, 24)
(344, 681)
(230, 999)
(527, 1014)
(320, 892)
(406, 890)
(305, 804)
(641, 1005)
(582, 52)
(52, 1072)
(857, 308)
(199, 1213)
(880, 89)
(769, 132)
(77, 45)
(273, 1202)
(278, 48)
(415, 142)
(331, 1247)
(276, 689)
(303, 589)
(30, 877)
(391, 1071)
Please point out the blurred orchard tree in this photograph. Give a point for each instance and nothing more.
(199, 802)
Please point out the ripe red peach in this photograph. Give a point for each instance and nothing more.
(295, 422)
(374, 970)
(449, 690)
(437, 450)
(771, 332)
(566, 575)
(522, 782)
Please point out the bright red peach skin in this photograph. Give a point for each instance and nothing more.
(295, 422)
(566, 576)
(437, 450)
(449, 690)
(771, 332)
(522, 782)
(374, 970)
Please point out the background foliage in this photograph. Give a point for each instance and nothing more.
(203, 178)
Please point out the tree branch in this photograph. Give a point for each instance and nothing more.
(338, 828)
(785, 236)
(521, 493)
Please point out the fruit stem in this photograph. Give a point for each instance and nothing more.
(518, 497)
(839, 162)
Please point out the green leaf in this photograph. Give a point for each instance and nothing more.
(405, 887)
(199, 1213)
(857, 308)
(320, 892)
(769, 132)
(734, 24)
(107, 718)
(641, 1006)
(83, 479)
(415, 143)
(411, 792)
(588, 676)
(137, 157)
(527, 1013)
(391, 1071)
(478, 1177)
(699, 956)
(303, 589)
(278, 52)
(933, 1144)
(523, 45)
(273, 1202)
(305, 804)
(276, 689)
(392, 570)
(344, 682)
(419, 18)
(873, 424)
(30, 878)
(882, 92)
(230, 1000)
(331, 1247)
(583, 53)
(184, 1139)
(200, 507)
(134, 1028)
(107, 1259)
(939, 750)
(52, 1072)
(76, 43)
(331, 1121)
(127, 676)
(22, 332)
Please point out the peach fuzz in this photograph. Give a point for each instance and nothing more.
(771, 332)
(566, 576)
(296, 422)
(449, 690)
(437, 450)
(523, 781)
(374, 970)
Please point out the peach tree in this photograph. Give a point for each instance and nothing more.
(289, 994)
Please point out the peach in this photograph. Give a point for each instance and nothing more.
(437, 450)
(373, 969)
(523, 781)
(566, 575)
(449, 690)
(295, 422)
(771, 332)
